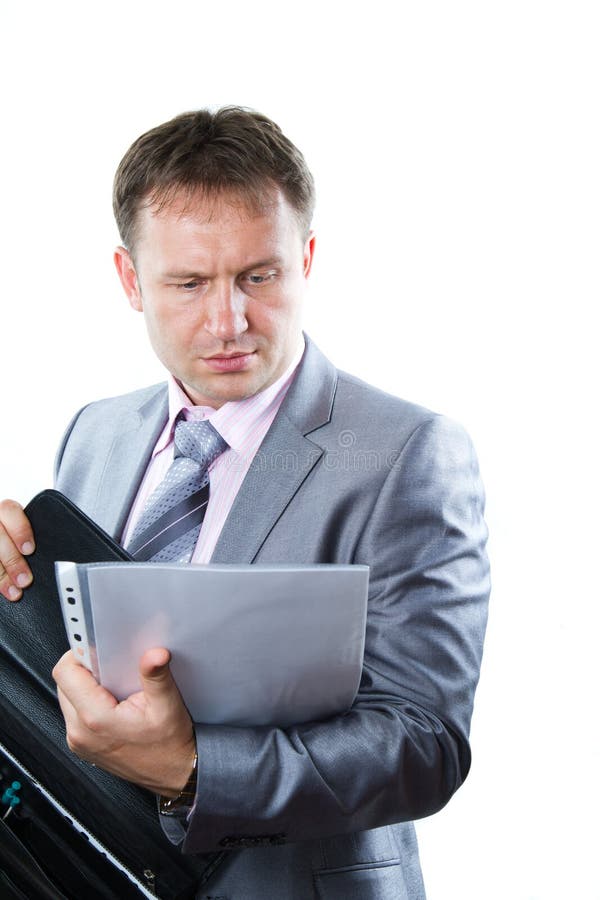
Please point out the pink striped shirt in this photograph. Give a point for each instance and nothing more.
(243, 424)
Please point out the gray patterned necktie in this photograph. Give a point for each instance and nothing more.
(170, 523)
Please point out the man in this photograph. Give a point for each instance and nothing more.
(313, 465)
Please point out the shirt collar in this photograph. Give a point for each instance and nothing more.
(234, 419)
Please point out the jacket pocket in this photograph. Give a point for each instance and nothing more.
(370, 881)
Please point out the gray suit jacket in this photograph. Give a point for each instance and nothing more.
(346, 474)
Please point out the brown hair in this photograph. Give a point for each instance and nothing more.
(233, 149)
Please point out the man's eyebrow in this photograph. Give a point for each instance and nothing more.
(264, 263)
(189, 275)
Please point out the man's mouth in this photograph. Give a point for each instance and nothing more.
(229, 362)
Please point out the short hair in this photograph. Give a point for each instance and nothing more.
(233, 150)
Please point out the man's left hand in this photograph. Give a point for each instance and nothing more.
(147, 739)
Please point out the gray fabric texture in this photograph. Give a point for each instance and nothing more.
(345, 474)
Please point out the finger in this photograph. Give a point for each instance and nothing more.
(14, 571)
(80, 687)
(17, 525)
(68, 710)
(74, 728)
(16, 538)
(155, 674)
(154, 661)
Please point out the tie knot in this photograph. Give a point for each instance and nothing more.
(199, 441)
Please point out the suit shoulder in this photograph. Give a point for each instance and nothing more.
(117, 409)
(110, 412)
(130, 401)
(384, 420)
(365, 400)
(104, 419)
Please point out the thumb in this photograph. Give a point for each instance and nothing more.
(155, 674)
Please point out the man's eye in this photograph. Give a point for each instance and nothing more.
(255, 278)
(188, 286)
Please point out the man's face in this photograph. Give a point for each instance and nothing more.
(221, 287)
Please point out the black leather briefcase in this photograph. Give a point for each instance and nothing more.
(71, 830)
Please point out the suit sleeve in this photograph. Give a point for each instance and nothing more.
(402, 750)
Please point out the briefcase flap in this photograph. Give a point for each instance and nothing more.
(120, 815)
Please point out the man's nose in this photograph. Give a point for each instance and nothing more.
(226, 312)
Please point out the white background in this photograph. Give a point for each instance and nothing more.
(456, 148)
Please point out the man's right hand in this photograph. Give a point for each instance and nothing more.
(16, 542)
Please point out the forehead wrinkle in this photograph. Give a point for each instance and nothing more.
(194, 229)
(197, 249)
(187, 203)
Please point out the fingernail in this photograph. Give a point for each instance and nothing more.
(13, 593)
(27, 548)
(23, 580)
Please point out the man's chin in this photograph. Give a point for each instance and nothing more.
(223, 388)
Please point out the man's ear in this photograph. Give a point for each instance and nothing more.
(128, 278)
(309, 252)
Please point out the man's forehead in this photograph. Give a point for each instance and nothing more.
(207, 207)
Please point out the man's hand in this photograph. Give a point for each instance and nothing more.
(147, 739)
(16, 541)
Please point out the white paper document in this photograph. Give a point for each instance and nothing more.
(250, 644)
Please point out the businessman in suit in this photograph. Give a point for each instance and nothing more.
(314, 466)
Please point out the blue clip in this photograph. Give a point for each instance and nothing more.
(9, 797)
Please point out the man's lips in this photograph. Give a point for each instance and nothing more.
(229, 362)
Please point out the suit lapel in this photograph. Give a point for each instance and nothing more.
(282, 463)
(128, 460)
